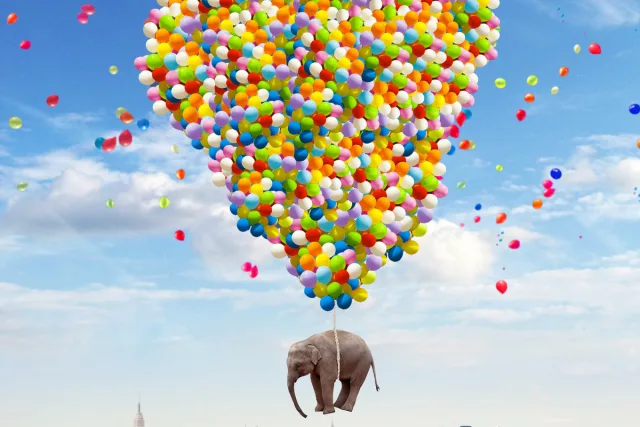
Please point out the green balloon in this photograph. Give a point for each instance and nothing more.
(378, 231)
(110, 203)
(325, 238)
(22, 186)
(334, 290)
(501, 83)
(164, 202)
(353, 238)
(461, 185)
(167, 23)
(532, 80)
(337, 263)
(499, 168)
(154, 61)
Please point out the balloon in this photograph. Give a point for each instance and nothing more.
(125, 138)
(501, 286)
(88, 9)
(246, 267)
(521, 115)
(638, 143)
(549, 192)
(25, 45)
(465, 144)
(109, 145)
(514, 244)
(325, 122)
(52, 100)
(478, 207)
(547, 183)
(537, 204)
(532, 80)
(180, 174)
(555, 173)
(577, 48)
(98, 143)
(634, 109)
(12, 18)
(254, 272)
(501, 218)
(461, 224)
(595, 49)
(163, 202)
(83, 17)
(477, 219)
(126, 117)
(22, 186)
(120, 111)
(15, 123)
(499, 168)
(179, 235)
(174, 148)
(143, 124)
(113, 70)
(564, 71)
(110, 203)
(529, 97)
(501, 83)
(555, 90)
(461, 185)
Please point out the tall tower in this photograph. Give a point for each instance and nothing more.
(138, 421)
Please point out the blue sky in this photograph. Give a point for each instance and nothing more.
(99, 304)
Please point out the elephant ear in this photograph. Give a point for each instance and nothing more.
(315, 354)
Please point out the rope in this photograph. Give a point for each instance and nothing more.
(335, 335)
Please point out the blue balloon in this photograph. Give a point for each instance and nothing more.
(478, 207)
(98, 143)
(453, 150)
(395, 253)
(634, 109)
(344, 301)
(309, 292)
(243, 224)
(327, 303)
(257, 230)
(324, 275)
(143, 124)
(555, 173)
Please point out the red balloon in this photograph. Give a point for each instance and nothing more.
(179, 235)
(521, 114)
(549, 192)
(12, 18)
(460, 118)
(52, 100)
(514, 244)
(180, 174)
(109, 145)
(595, 49)
(25, 45)
(454, 132)
(461, 224)
(83, 17)
(254, 272)
(126, 117)
(125, 138)
(476, 219)
(88, 9)
(465, 144)
(246, 267)
(501, 286)
(502, 217)
(547, 183)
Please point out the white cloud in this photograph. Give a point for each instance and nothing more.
(72, 120)
(629, 258)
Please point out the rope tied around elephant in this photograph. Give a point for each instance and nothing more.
(335, 335)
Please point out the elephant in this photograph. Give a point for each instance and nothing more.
(317, 356)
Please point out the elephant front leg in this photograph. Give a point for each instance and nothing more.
(353, 396)
(327, 395)
(317, 388)
(344, 394)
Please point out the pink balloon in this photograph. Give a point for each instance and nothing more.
(88, 9)
(476, 219)
(83, 17)
(246, 267)
(549, 192)
(547, 183)
(254, 272)
(514, 244)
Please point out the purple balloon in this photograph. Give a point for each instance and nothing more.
(288, 164)
(308, 279)
(282, 72)
(292, 270)
(424, 215)
(194, 131)
(373, 262)
(209, 37)
(238, 198)
(295, 212)
(343, 219)
(174, 123)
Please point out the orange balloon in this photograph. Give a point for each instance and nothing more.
(537, 204)
(563, 71)
(12, 18)
(638, 143)
(126, 117)
(465, 144)
(180, 174)
(529, 97)
(502, 217)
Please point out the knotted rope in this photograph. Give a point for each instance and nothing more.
(335, 335)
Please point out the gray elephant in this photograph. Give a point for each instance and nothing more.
(317, 356)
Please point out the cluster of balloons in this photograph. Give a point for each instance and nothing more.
(326, 121)
(247, 267)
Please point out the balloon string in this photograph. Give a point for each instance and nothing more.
(335, 335)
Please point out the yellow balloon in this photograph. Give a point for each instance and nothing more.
(323, 260)
(369, 278)
(360, 294)
(411, 247)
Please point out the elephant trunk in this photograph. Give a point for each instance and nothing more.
(292, 392)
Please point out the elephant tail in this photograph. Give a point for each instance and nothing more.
(375, 377)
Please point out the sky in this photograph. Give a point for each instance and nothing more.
(98, 305)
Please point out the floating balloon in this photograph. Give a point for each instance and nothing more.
(478, 206)
(549, 192)
(143, 124)
(577, 48)
(477, 219)
(461, 224)
(174, 148)
(179, 235)
(537, 204)
(547, 183)
(499, 168)
(465, 144)
(15, 123)
(254, 272)
(514, 244)
(555, 173)
(109, 145)
(532, 80)
(555, 90)
(461, 185)
(501, 83)
(83, 18)
(501, 218)
(126, 117)
(501, 286)
(22, 186)
(163, 202)
(113, 70)
(638, 143)
(120, 111)
(595, 49)
(529, 97)
(634, 109)
(564, 71)
(521, 115)
(98, 143)
(326, 122)
(52, 100)
(12, 18)
(110, 203)
(246, 267)
(25, 45)
(88, 9)
(180, 174)
(125, 138)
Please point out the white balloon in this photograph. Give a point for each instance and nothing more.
(305, 204)
(152, 45)
(277, 251)
(218, 179)
(379, 249)
(439, 169)
(266, 183)
(160, 108)
(354, 270)
(146, 78)
(430, 201)
(444, 146)
(247, 162)
(299, 237)
(150, 29)
(393, 193)
(329, 249)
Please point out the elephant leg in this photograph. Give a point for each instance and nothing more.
(353, 396)
(317, 388)
(327, 395)
(344, 394)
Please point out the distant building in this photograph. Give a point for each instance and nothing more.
(138, 421)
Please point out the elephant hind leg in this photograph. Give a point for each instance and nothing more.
(317, 388)
(344, 394)
(353, 396)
